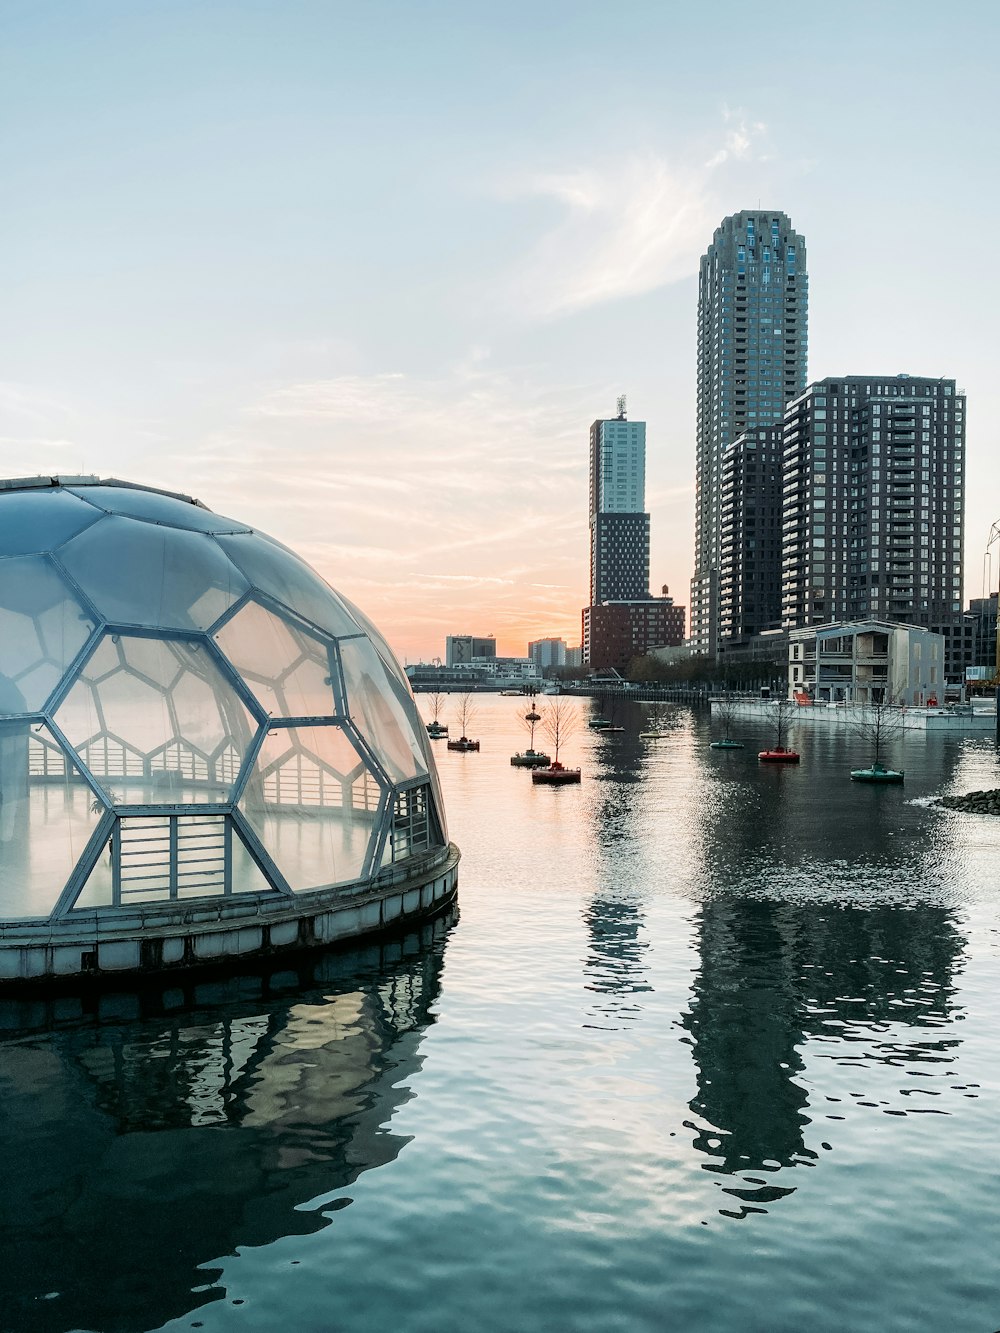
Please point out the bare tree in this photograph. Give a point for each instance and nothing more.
(559, 721)
(466, 714)
(726, 709)
(877, 725)
(435, 700)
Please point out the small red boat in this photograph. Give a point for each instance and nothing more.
(555, 774)
(779, 755)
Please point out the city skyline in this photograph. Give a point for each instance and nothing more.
(368, 294)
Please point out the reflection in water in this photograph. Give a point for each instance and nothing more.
(614, 967)
(142, 1148)
(859, 982)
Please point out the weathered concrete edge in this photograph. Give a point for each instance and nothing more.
(145, 943)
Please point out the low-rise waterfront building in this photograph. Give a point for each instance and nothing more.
(866, 662)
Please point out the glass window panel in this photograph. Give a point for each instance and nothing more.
(390, 729)
(287, 669)
(378, 639)
(134, 503)
(36, 521)
(145, 574)
(313, 805)
(156, 721)
(47, 817)
(42, 628)
(280, 574)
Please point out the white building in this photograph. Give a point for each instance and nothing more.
(547, 652)
(866, 662)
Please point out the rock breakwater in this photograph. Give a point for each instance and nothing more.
(974, 802)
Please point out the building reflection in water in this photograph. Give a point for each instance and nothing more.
(796, 963)
(142, 1148)
(615, 967)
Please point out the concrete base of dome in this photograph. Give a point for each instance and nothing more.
(120, 944)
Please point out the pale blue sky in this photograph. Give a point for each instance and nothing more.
(363, 274)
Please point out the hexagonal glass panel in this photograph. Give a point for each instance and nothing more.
(378, 713)
(48, 815)
(140, 573)
(135, 502)
(157, 722)
(278, 573)
(42, 628)
(35, 521)
(314, 805)
(288, 670)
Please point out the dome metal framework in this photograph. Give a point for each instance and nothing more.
(188, 713)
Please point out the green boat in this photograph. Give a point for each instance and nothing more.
(877, 773)
(727, 744)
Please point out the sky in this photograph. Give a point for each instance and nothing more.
(363, 274)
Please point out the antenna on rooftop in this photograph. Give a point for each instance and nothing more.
(621, 407)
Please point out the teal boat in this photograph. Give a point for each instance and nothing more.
(727, 744)
(877, 773)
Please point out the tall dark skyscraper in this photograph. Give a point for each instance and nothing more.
(752, 356)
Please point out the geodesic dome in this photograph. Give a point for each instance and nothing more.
(188, 711)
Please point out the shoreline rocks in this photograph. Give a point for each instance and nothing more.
(973, 802)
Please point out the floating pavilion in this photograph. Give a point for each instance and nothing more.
(206, 753)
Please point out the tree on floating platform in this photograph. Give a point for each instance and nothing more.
(559, 721)
(877, 725)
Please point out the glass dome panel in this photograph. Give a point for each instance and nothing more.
(143, 574)
(36, 521)
(275, 571)
(379, 640)
(133, 502)
(156, 722)
(288, 670)
(314, 805)
(48, 815)
(378, 714)
(42, 628)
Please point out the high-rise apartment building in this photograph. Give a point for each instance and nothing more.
(547, 652)
(873, 506)
(619, 525)
(752, 355)
(750, 537)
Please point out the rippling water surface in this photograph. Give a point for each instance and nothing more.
(707, 1046)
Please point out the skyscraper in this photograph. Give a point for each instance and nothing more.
(622, 621)
(619, 525)
(752, 353)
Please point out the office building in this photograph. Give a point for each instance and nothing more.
(752, 355)
(873, 506)
(462, 648)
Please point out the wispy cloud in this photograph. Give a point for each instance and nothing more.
(424, 499)
(628, 226)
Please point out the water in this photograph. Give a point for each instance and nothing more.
(708, 1046)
